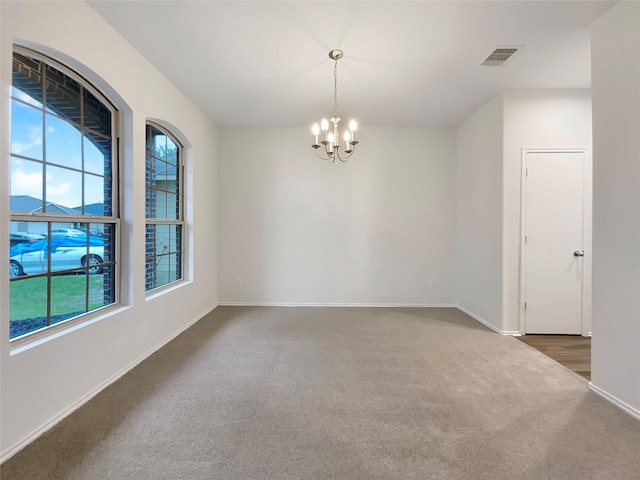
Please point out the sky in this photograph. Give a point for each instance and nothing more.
(29, 135)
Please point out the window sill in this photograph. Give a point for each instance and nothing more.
(35, 339)
(160, 291)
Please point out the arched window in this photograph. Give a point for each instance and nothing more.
(64, 212)
(164, 208)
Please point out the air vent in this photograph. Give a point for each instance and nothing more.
(499, 56)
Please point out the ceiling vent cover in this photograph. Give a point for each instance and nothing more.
(499, 56)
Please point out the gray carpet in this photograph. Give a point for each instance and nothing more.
(340, 393)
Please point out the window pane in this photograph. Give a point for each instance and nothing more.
(149, 273)
(156, 143)
(162, 270)
(149, 170)
(177, 241)
(63, 95)
(101, 289)
(172, 152)
(27, 80)
(158, 204)
(149, 203)
(163, 237)
(171, 240)
(106, 231)
(107, 206)
(96, 154)
(27, 232)
(68, 250)
(151, 132)
(28, 305)
(159, 175)
(150, 259)
(174, 260)
(24, 97)
(27, 248)
(94, 191)
(26, 130)
(150, 240)
(96, 256)
(26, 185)
(63, 143)
(64, 189)
(68, 296)
(172, 207)
(97, 116)
(173, 182)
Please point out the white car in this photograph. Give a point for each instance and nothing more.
(66, 253)
(67, 231)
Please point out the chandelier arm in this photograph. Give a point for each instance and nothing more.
(320, 156)
(344, 159)
(328, 157)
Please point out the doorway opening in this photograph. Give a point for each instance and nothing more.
(555, 252)
(555, 284)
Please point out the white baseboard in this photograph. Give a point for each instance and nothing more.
(513, 333)
(635, 413)
(374, 305)
(30, 437)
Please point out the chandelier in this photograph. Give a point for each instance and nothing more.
(331, 139)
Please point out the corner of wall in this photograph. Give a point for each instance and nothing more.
(479, 213)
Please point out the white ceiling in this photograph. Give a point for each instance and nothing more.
(406, 63)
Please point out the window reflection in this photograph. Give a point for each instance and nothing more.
(26, 131)
(61, 167)
(63, 143)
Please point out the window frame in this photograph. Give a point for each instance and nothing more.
(84, 218)
(180, 192)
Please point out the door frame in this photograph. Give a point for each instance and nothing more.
(587, 209)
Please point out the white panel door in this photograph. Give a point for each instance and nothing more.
(553, 261)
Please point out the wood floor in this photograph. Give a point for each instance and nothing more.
(572, 351)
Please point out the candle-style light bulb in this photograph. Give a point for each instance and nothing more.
(315, 130)
(324, 125)
(347, 137)
(353, 126)
(330, 139)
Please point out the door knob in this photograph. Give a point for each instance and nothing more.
(578, 253)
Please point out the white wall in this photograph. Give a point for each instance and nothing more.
(615, 64)
(490, 143)
(479, 226)
(44, 377)
(299, 230)
(548, 118)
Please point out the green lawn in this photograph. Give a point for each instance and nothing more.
(68, 292)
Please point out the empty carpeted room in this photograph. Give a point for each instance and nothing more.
(208, 281)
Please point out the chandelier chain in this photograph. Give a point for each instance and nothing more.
(335, 89)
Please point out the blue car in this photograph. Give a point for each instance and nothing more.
(67, 253)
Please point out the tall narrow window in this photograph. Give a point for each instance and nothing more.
(164, 212)
(64, 220)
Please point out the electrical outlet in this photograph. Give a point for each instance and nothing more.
(432, 283)
(238, 282)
